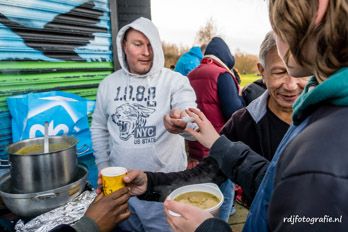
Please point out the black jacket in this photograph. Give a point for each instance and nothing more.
(257, 126)
(253, 91)
(213, 224)
(233, 160)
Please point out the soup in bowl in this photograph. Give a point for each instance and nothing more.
(206, 196)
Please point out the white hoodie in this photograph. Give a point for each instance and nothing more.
(127, 126)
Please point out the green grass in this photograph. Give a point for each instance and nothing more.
(248, 78)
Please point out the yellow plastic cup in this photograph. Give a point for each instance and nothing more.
(112, 178)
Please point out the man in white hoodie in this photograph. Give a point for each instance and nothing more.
(127, 126)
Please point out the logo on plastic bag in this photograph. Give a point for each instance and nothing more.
(66, 113)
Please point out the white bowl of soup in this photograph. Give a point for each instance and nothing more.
(205, 196)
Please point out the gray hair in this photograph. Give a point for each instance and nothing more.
(267, 45)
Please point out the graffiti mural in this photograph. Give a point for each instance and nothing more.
(76, 30)
(52, 45)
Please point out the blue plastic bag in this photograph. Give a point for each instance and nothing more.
(66, 113)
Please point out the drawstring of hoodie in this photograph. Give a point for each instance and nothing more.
(127, 85)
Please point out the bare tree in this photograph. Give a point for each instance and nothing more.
(172, 52)
(207, 32)
(246, 63)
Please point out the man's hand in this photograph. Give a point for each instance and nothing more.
(108, 211)
(206, 135)
(173, 122)
(191, 217)
(136, 181)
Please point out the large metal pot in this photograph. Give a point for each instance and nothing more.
(42, 171)
(33, 204)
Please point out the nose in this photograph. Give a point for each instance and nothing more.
(147, 50)
(291, 83)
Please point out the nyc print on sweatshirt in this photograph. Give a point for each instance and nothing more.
(131, 117)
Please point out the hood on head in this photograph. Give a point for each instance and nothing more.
(196, 50)
(146, 27)
(217, 47)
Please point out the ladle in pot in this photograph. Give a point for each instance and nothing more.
(46, 143)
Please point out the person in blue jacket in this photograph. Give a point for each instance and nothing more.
(189, 60)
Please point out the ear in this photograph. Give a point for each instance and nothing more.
(322, 8)
(261, 69)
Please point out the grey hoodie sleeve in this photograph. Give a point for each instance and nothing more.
(99, 130)
(183, 95)
(85, 224)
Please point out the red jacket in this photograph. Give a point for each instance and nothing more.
(204, 81)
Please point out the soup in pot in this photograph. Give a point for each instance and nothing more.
(39, 149)
(202, 200)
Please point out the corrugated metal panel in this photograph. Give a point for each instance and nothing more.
(5, 135)
(128, 10)
(125, 11)
(52, 45)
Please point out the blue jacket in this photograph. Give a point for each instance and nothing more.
(257, 219)
(304, 164)
(189, 61)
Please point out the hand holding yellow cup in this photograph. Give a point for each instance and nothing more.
(112, 178)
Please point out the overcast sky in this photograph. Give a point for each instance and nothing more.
(242, 23)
